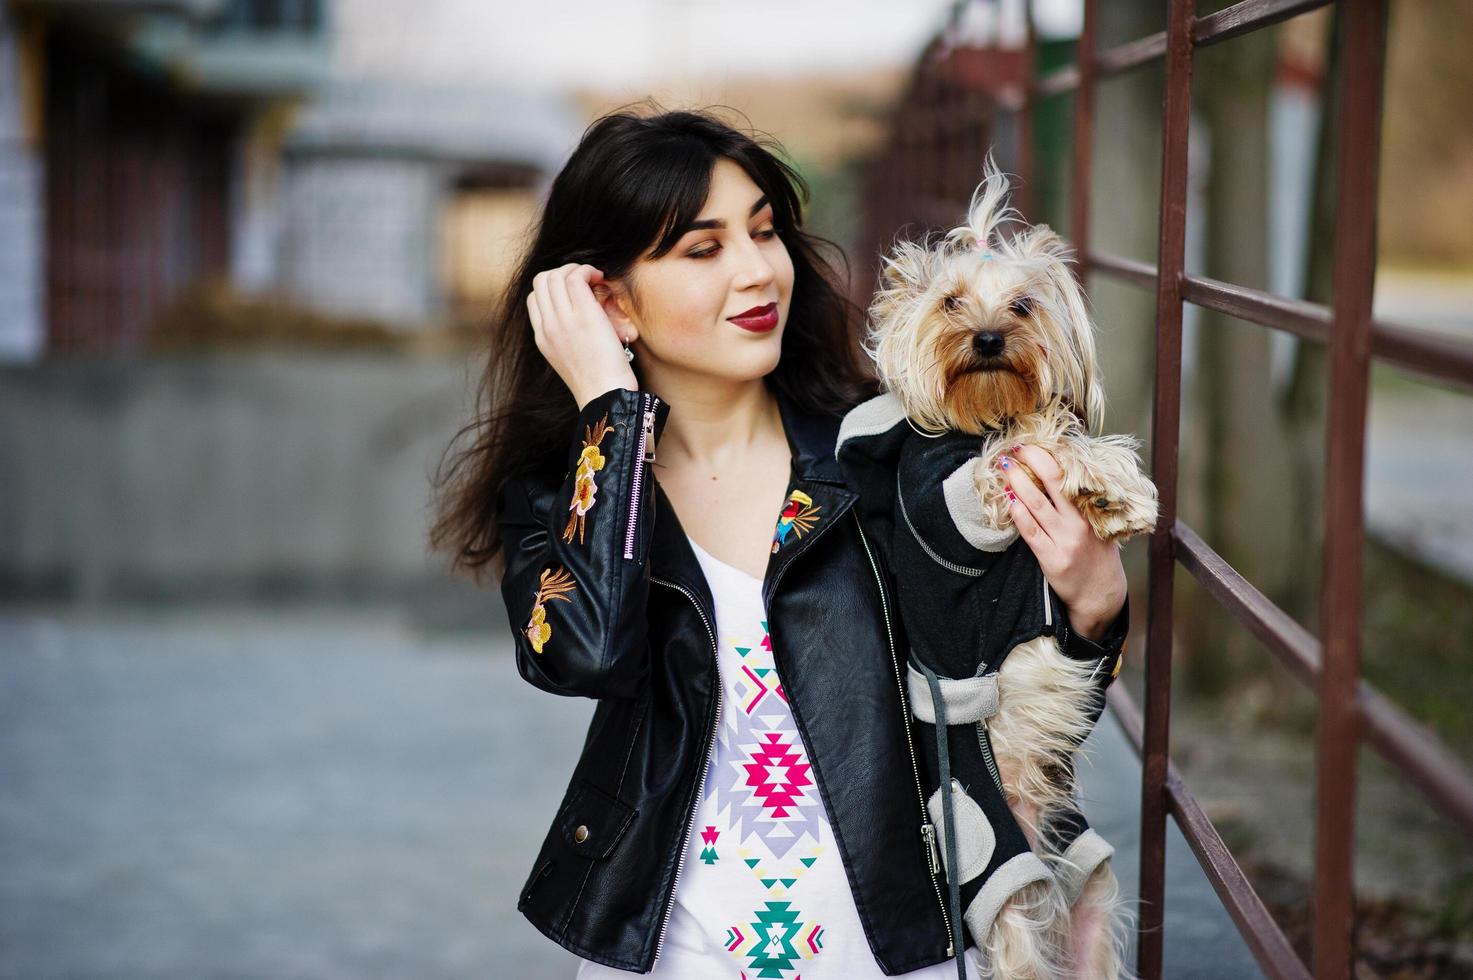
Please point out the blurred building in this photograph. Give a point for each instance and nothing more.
(150, 146)
(130, 147)
(406, 203)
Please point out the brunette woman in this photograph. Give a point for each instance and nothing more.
(653, 464)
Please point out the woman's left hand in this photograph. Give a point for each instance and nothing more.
(1085, 571)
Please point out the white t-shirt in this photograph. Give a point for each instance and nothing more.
(762, 890)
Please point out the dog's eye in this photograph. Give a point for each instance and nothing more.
(953, 302)
(1022, 306)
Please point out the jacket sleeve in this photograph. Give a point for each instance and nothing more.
(1109, 649)
(577, 574)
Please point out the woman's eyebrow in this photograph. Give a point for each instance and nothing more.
(721, 222)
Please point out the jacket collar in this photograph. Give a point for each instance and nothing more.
(811, 437)
(815, 472)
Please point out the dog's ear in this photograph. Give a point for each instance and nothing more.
(1081, 375)
(904, 276)
(1042, 242)
(1078, 373)
(909, 269)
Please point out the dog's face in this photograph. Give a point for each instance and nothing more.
(975, 331)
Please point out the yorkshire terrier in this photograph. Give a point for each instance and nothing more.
(984, 342)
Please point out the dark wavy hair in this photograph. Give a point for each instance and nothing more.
(632, 182)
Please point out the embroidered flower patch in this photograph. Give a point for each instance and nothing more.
(590, 461)
(551, 585)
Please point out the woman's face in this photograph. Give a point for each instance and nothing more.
(689, 296)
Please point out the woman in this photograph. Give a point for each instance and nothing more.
(655, 463)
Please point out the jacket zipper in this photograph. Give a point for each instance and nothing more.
(644, 454)
(928, 829)
(986, 742)
(931, 552)
(705, 768)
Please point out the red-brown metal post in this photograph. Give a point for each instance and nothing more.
(1165, 436)
(1025, 198)
(1337, 737)
(1084, 131)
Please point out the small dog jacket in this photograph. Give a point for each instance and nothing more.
(967, 594)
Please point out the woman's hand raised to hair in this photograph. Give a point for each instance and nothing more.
(1085, 571)
(574, 333)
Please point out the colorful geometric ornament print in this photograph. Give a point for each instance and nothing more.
(584, 486)
(777, 773)
(760, 774)
(777, 875)
(708, 837)
(552, 585)
(759, 677)
(798, 516)
(776, 942)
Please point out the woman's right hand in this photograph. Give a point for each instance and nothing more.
(574, 334)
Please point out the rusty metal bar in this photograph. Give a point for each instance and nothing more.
(1132, 54)
(1362, 27)
(1265, 940)
(1165, 440)
(1276, 629)
(1423, 760)
(1299, 317)
(1235, 21)
(1441, 358)
(1133, 271)
(1417, 754)
(1435, 356)
(1083, 150)
(1247, 16)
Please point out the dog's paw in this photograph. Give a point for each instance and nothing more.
(1114, 515)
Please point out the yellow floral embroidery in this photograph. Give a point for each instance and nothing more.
(551, 585)
(590, 461)
(798, 516)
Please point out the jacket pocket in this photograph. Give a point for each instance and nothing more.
(543, 869)
(592, 822)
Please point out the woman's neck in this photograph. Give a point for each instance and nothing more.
(714, 425)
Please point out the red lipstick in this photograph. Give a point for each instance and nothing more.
(759, 319)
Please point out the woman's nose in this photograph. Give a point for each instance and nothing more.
(756, 269)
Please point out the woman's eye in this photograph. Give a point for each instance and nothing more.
(1022, 306)
(767, 235)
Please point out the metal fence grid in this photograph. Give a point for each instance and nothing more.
(1330, 664)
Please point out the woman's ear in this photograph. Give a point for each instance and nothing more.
(614, 301)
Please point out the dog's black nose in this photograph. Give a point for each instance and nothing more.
(988, 344)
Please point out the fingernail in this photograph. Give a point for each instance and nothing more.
(1017, 449)
(1011, 495)
(1004, 462)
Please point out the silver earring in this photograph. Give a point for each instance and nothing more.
(628, 354)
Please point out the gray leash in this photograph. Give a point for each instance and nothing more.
(954, 887)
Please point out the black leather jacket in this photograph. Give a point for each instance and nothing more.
(618, 605)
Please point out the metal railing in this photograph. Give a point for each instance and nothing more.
(1329, 664)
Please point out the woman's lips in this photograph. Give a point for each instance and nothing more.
(760, 322)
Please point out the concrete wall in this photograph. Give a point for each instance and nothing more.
(233, 476)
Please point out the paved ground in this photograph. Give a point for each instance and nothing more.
(325, 794)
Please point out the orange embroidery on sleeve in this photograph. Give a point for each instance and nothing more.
(590, 461)
(551, 585)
